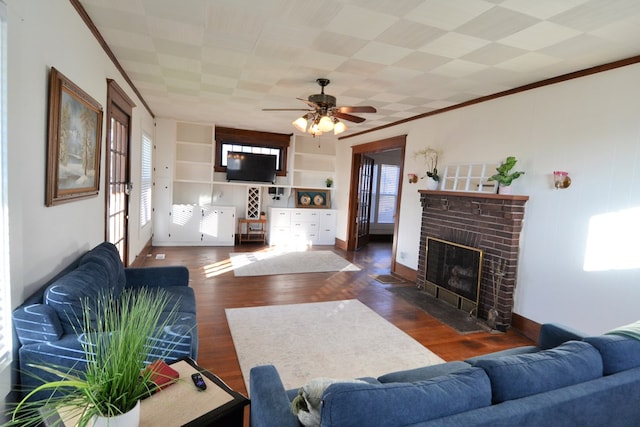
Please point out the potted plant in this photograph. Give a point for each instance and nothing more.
(430, 158)
(505, 177)
(118, 331)
(328, 182)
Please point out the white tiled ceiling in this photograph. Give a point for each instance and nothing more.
(223, 61)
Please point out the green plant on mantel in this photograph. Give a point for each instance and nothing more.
(504, 175)
(118, 331)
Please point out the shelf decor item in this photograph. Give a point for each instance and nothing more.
(118, 331)
(430, 158)
(311, 198)
(73, 148)
(505, 177)
(329, 182)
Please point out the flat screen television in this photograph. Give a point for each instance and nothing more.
(251, 167)
(454, 267)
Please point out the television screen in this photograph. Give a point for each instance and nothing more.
(456, 268)
(251, 167)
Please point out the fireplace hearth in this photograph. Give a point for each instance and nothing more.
(489, 222)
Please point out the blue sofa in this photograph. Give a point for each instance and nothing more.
(45, 324)
(569, 379)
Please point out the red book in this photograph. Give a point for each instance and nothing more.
(162, 374)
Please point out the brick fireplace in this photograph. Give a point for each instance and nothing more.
(491, 222)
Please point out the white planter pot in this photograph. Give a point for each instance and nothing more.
(129, 419)
(505, 189)
(432, 184)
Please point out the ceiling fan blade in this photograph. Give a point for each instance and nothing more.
(285, 109)
(349, 117)
(309, 103)
(357, 109)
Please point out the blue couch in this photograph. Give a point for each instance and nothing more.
(45, 324)
(569, 379)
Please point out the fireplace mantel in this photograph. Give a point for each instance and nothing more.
(475, 195)
(490, 222)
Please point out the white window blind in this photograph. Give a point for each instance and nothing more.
(146, 171)
(5, 300)
(387, 194)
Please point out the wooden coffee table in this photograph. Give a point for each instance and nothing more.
(182, 404)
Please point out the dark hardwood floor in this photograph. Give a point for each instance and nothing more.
(216, 288)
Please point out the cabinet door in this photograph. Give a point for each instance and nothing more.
(184, 225)
(327, 229)
(218, 225)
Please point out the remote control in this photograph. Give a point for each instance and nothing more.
(199, 381)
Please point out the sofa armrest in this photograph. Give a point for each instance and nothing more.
(36, 323)
(157, 276)
(270, 405)
(554, 334)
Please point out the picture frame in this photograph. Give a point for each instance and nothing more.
(313, 198)
(73, 146)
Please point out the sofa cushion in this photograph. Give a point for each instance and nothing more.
(399, 404)
(36, 323)
(106, 257)
(66, 295)
(423, 373)
(618, 353)
(513, 377)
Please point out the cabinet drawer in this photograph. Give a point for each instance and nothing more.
(280, 217)
(303, 215)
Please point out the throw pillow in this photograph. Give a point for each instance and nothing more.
(306, 405)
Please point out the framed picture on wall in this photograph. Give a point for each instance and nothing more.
(310, 198)
(73, 148)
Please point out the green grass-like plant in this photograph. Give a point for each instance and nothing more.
(119, 333)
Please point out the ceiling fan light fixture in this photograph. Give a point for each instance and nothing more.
(300, 123)
(325, 124)
(339, 127)
(314, 130)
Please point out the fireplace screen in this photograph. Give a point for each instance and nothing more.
(456, 268)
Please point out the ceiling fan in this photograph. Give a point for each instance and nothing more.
(324, 115)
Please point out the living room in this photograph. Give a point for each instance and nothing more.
(587, 126)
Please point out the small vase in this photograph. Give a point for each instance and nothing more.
(492, 317)
(505, 189)
(128, 419)
(432, 184)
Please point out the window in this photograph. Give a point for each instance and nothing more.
(248, 141)
(5, 300)
(146, 170)
(386, 182)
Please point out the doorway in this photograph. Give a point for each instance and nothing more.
(119, 109)
(359, 216)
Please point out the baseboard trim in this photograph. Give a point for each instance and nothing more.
(405, 272)
(341, 244)
(137, 262)
(526, 327)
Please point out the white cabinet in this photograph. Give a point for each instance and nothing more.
(193, 225)
(301, 226)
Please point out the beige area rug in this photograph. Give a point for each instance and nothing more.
(274, 261)
(338, 339)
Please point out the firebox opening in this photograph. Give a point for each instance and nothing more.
(453, 273)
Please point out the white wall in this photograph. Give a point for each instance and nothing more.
(588, 127)
(42, 34)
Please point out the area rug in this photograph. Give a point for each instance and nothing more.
(446, 313)
(387, 279)
(266, 263)
(338, 339)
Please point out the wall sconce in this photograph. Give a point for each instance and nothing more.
(561, 179)
(413, 178)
